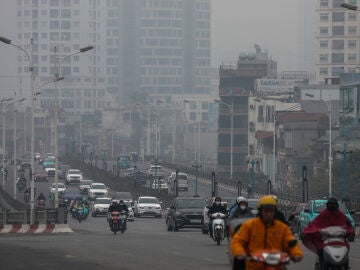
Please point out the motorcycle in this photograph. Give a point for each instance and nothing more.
(335, 252)
(271, 259)
(82, 213)
(218, 227)
(117, 222)
(41, 203)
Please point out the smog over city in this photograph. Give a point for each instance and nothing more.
(162, 104)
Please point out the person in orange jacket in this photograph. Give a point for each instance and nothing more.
(264, 232)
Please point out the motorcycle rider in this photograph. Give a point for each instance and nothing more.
(215, 208)
(264, 232)
(242, 209)
(124, 208)
(114, 206)
(330, 216)
(41, 197)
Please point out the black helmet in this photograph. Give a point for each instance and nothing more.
(332, 204)
(121, 201)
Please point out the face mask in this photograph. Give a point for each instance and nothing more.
(242, 207)
(217, 203)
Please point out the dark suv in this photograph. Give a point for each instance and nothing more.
(185, 212)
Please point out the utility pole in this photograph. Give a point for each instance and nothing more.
(197, 167)
(344, 152)
(252, 186)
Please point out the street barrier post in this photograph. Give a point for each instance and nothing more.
(305, 185)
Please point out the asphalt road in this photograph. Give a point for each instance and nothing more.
(145, 245)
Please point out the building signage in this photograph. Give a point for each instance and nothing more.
(274, 85)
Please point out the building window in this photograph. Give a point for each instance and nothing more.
(335, 71)
(337, 58)
(338, 44)
(324, 31)
(338, 16)
(352, 57)
(324, 3)
(204, 116)
(192, 116)
(324, 58)
(323, 71)
(338, 30)
(351, 44)
(192, 105)
(352, 17)
(260, 114)
(43, 69)
(337, 3)
(204, 105)
(324, 44)
(352, 30)
(324, 17)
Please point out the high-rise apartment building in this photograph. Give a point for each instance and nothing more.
(152, 46)
(337, 39)
(67, 25)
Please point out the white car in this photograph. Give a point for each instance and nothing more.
(61, 188)
(73, 176)
(50, 171)
(147, 206)
(163, 185)
(85, 184)
(98, 190)
(100, 207)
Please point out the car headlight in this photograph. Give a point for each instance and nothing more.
(141, 207)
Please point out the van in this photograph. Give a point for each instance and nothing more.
(183, 184)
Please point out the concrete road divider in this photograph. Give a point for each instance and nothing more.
(35, 229)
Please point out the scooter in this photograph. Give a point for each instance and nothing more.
(335, 253)
(117, 222)
(82, 213)
(218, 227)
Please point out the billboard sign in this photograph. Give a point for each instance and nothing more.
(274, 85)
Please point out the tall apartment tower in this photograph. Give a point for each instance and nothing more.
(337, 39)
(167, 48)
(236, 84)
(67, 25)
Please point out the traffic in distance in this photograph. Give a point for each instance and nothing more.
(318, 223)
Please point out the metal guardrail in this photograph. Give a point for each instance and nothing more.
(42, 216)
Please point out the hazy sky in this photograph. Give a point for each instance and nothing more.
(236, 26)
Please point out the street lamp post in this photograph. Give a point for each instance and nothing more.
(329, 105)
(344, 152)
(231, 108)
(58, 60)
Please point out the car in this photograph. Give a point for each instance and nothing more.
(182, 181)
(73, 176)
(100, 206)
(313, 208)
(129, 172)
(147, 206)
(50, 170)
(125, 196)
(48, 162)
(41, 177)
(294, 217)
(26, 162)
(163, 185)
(63, 170)
(98, 190)
(37, 156)
(228, 202)
(85, 183)
(61, 188)
(185, 212)
(155, 168)
(72, 193)
(131, 216)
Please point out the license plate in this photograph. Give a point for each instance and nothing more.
(195, 220)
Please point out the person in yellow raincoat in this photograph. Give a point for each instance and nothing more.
(264, 232)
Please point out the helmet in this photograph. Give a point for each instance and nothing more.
(267, 202)
(113, 202)
(121, 201)
(217, 198)
(332, 204)
(275, 197)
(241, 199)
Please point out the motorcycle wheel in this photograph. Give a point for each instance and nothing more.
(122, 230)
(218, 237)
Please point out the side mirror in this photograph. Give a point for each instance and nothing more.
(307, 211)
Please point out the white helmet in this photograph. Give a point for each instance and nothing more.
(241, 199)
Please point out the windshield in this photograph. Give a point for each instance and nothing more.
(74, 172)
(182, 176)
(86, 182)
(102, 201)
(321, 205)
(98, 186)
(59, 185)
(148, 200)
(191, 204)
